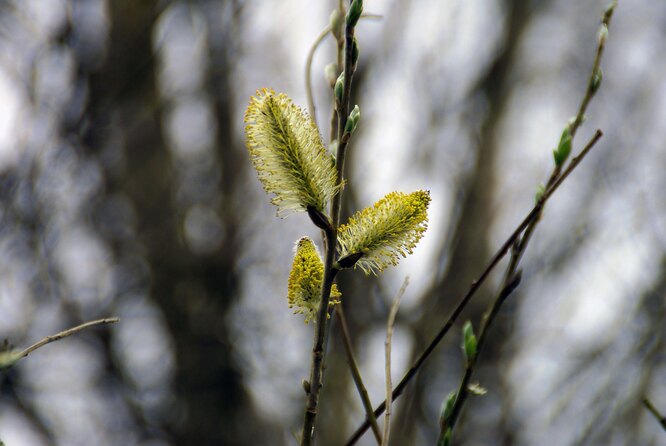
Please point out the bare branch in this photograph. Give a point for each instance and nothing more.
(389, 334)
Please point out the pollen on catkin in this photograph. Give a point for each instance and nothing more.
(288, 154)
(305, 281)
(386, 231)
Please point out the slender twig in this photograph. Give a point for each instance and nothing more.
(308, 72)
(356, 373)
(655, 412)
(590, 91)
(512, 275)
(308, 64)
(527, 226)
(64, 334)
(474, 286)
(389, 334)
(463, 388)
(321, 327)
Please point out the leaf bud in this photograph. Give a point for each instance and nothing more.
(354, 13)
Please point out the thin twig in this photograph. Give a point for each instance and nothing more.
(463, 389)
(64, 334)
(528, 225)
(308, 72)
(356, 373)
(389, 334)
(655, 412)
(590, 90)
(512, 274)
(308, 64)
(501, 252)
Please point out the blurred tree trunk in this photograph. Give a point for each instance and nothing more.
(194, 291)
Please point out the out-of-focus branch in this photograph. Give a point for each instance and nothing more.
(655, 412)
(389, 334)
(308, 72)
(504, 249)
(15, 357)
(356, 373)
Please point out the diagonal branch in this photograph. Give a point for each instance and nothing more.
(389, 334)
(356, 374)
(501, 252)
(655, 412)
(58, 336)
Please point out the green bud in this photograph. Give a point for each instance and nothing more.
(352, 121)
(445, 440)
(541, 189)
(335, 21)
(355, 52)
(596, 80)
(564, 147)
(608, 13)
(469, 342)
(603, 34)
(447, 408)
(339, 87)
(331, 73)
(354, 13)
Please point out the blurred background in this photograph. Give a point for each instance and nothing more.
(125, 189)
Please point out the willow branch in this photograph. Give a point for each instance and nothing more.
(356, 374)
(475, 285)
(463, 390)
(591, 90)
(64, 334)
(389, 334)
(512, 275)
(655, 412)
(321, 327)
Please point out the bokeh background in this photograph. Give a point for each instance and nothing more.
(125, 189)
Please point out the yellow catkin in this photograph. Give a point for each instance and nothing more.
(386, 231)
(305, 280)
(287, 152)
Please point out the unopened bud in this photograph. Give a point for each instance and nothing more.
(354, 13)
(596, 80)
(541, 189)
(603, 34)
(469, 342)
(339, 88)
(335, 21)
(563, 148)
(331, 73)
(447, 408)
(352, 121)
(355, 52)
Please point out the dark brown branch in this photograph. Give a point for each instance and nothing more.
(463, 389)
(504, 249)
(655, 412)
(322, 326)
